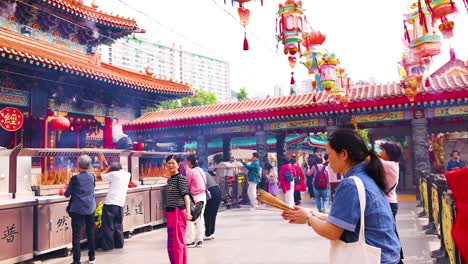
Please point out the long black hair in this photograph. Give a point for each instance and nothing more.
(193, 160)
(352, 142)
(393, 150)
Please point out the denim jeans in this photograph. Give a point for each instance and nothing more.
(321, 198)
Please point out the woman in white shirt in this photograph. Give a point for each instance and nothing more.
(112, 211)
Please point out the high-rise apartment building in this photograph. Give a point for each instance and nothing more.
(304, 86)
(171, 62)
(277, 90)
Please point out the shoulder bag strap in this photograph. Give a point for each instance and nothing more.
(202, 173)
(362, 204)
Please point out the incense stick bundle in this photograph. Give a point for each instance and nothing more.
(271, 200)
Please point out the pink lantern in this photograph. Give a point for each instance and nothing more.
(328, 71)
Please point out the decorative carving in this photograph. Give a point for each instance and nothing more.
(280, 148)
(261, 139)
(420, 144)
(95, 59)
(418, 114)
(148, 71)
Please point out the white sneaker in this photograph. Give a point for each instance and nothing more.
(199, 244)
(207, 238)
(92, 261)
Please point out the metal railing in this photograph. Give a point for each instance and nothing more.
(439, 206)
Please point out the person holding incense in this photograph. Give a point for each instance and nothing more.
(347, 155)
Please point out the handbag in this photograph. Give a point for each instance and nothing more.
(208, 193)
(357, 252)
(195, 208)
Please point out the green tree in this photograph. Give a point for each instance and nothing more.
(242, 95)
(200, 98)
(292, 91)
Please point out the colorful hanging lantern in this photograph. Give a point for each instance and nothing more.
(441, 8)
(424, 42)
(244, 15)
(327, 66)
(411, 85)
(314, 51)
(290, 25)
(339, 90)
(59, 123)
(412, 71)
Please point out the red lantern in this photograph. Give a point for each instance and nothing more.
(313, 38)
(59, 123)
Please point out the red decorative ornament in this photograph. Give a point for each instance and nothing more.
(11, 119)
(244, 15)
(59, 123)
(446, 28)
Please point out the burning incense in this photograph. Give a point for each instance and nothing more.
(271, 200)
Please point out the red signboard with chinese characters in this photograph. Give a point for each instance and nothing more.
(11, 119)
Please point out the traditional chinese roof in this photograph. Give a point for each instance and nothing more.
(78, 9)
(452, 67)
(41, 54)
(301, 106)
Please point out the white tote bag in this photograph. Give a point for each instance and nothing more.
(357, 252)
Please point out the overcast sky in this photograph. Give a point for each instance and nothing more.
(365, 35)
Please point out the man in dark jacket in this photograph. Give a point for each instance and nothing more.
(81, 208)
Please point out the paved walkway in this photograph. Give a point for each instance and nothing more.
(261, 236)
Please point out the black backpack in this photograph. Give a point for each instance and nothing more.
(290, 174)
(321, 178)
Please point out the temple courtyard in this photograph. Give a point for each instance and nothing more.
(261, 236)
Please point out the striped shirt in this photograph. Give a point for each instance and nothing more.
(177, 188)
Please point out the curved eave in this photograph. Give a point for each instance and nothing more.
(312, 108)
(170, 88)
(91, 14)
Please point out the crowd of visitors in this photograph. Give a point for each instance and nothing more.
(357, 182)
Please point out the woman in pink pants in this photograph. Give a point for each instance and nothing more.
(177, 211)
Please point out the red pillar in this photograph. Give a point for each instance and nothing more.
(45, 139)
(107, 140)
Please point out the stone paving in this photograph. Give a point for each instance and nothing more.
(261, 236)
